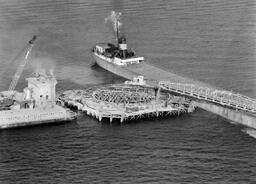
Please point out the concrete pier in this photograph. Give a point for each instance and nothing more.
(232, 106)
(154, 76)
(237, 116)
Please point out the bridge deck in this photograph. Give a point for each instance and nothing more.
(225, 98)
(186, 86)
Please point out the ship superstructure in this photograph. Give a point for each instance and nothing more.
(117, 54)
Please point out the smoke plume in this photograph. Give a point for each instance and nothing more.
(43, 66)
(114, 19)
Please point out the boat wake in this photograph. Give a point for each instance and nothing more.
(250, 131)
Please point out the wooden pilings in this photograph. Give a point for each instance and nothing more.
(124, 102)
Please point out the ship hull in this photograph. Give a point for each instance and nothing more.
(118, 70)
(31, 117)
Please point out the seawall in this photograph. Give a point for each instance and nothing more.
(236, 116)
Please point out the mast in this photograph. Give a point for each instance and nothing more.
(117, 33)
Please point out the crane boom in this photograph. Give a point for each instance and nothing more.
(22, 65)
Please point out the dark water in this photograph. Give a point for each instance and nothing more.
(209, 40)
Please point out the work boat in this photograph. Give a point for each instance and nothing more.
(119, 55)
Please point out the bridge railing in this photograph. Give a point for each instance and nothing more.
(222, 97)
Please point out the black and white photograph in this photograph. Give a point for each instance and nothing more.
(127, 91)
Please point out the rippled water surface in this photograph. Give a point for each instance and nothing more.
(208, 40)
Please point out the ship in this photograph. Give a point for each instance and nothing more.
(123, 61)
(117, 58)
(118, 55)
(36, 104)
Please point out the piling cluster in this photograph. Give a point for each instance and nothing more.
(124, 102)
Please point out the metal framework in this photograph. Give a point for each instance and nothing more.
(121, 96)
(124, 102)
(22, 65)
(221, 97)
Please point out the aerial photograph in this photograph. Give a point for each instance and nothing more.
(127, 91)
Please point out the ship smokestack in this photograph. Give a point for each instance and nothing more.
(122, 46)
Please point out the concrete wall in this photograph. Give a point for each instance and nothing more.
(229, 114)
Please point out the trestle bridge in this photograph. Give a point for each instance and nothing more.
(232, 106)
(221, 97)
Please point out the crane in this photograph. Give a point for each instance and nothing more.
(23, 63)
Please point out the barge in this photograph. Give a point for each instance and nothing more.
(36, 105)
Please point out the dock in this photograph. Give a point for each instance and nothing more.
(125, 102)
(229, 105)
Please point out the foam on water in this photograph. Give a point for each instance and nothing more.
(250, 131)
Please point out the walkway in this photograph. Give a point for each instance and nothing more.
(225, 98)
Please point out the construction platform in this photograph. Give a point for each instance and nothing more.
(125, 102)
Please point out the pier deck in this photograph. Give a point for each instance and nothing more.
(218, 104)
(125, 102)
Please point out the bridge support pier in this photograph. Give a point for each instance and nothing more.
(229, 114)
